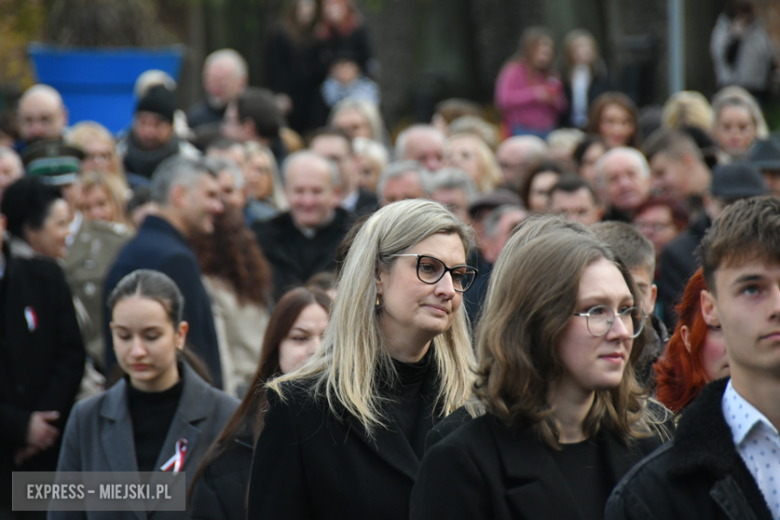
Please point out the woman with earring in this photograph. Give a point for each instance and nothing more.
(563, 416)
(344, 434)
(162, 410)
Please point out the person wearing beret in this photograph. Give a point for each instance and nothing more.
(151, 139)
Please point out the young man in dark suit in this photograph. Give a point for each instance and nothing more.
(187, 195)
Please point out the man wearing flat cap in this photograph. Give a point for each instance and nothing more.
(151, 139)
(730, 183)
(766, 157)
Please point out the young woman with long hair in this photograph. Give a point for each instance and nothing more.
(219, 487)
(238, 280)
(344, 434)
(162, 416)
(613, 116)
(563, 415)
(528, 91)
(695, 354)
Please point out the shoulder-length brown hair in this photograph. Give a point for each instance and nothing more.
(231, 253)
(612, 98)
(531, 297)
(254, 403)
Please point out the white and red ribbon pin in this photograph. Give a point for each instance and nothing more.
(176, 462)
(32, 318)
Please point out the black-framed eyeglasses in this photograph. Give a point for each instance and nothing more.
(599, 320)
(430, 270)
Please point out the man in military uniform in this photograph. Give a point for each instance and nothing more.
(90, 256)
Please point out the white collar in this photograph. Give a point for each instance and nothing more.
(743, 416)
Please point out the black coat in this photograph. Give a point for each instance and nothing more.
(294, 71)
(598, 85)
(221, 491)
(201, 113)
(41, 363)
(678, 263)
(295, 258)
(698, 474)
(312, 464)
(366, 204)
(482, 471)
(159, 246)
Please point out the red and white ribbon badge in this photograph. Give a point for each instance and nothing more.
(32, 318)
(176, 462)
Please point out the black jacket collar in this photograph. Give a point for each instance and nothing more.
(703, 443)
(540, 484)
(160, 225)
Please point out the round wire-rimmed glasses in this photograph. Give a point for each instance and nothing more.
(599, 320)
(430, 270)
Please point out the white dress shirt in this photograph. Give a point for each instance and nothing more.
(757, 442)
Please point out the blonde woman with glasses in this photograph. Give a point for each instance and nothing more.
(344, 434)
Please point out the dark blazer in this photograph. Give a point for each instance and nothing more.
(221, 491)
(484, 471)
(159, 246)
(99, 437)
(310, 463)
(366, 204)
(699, 474)
(678, 262)
(295, 258)
(41, 364)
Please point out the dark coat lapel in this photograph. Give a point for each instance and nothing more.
(190, 411)
(390, 443)
(539, 490)
(116, 434)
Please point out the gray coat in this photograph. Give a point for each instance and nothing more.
(99, 437)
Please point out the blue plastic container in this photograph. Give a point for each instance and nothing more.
(96, 84)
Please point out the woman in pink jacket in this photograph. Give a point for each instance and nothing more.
(528, 91)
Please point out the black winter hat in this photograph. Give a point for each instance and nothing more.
(158, 100)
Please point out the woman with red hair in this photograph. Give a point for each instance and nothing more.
(695, 355)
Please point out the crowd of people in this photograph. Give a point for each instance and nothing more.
(473, 319)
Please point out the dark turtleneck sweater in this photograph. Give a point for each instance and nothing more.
(410, 408)
(151, 414)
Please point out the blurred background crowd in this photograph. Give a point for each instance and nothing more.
(294, 166)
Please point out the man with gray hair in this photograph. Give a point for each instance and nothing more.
(302, 242)
(401, 180)
(187, 195)
(517, 156)
(425, 144)
(623, 179)
(224, 79)
(230, 179)
(455, 189)
(497, 228)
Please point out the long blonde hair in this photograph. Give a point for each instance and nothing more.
(352, 361)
